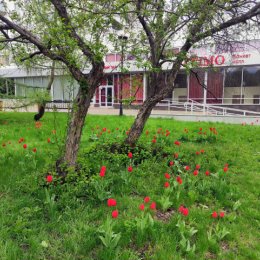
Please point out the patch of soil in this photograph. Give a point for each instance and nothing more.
(164, 216)
(224, 245)
(210, 255)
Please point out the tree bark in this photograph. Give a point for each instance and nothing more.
(164, 89)
(41, 107)
(86, 91)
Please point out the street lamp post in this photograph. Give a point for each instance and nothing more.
(123, 40)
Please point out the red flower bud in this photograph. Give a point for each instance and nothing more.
(171, 163)
(141, 207)
(146, 199)
(221, 214)
(102, 171)
(177, 143)
(167, 175)
(115, 214)
(187, 168)
(207, 173)
(196, 172)
(185, 212)
(34, 150)
(153, 206)
(130, 155)
(214, 214)
(49, 178)
(166, 184)
(25, 146)
(197, 166)
(111, 202)
(130, 168)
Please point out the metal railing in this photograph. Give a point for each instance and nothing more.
(208, 109)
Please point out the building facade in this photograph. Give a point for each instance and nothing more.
(226, 75)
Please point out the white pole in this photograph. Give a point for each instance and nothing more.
(205, 91)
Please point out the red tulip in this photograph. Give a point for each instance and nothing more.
(153, 206)
(146, 199)
(177, 143)
(166, 184)
(25, 146)
(202, 151)
(181, 209)
(185, 212)
(130, 168)
(207, 173)
(187, 168)
(171, 163)
(214, 214)
(196, 172)
(102, 171)
(48, 140)
(154, 141)
(167, 175)
(111, 202)
(49, 178)
(115, 214)
(141, 207)
(221, 214)
(130, 155)
(225, 169)
(197, 166)
(179, 180)
(34, 150)
(176, 155)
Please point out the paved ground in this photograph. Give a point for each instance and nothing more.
(181, 115)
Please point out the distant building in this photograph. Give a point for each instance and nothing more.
(230, 75)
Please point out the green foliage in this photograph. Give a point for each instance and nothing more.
(65, 219)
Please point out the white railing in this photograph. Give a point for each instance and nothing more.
(208, 109)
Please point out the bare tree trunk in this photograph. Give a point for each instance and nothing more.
(80, 109)
(163, 90)
(41, 107)
(88, 85)
(141, 118)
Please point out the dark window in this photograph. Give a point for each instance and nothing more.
(110, 81)
(256, 99)
(233, 77)
(7, 87)
(181, 81)
(237, 99)
(251, 76)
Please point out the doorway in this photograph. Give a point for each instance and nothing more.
(106, 96)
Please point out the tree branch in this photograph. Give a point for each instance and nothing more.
(31, 55)
(254, 11)
(62, 11)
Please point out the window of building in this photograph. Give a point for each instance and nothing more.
(110, 80)
(181, 81)
(110, 58)
(251, 76)
(7, 87)
(238, 99)
(256, 99)
(233, 77)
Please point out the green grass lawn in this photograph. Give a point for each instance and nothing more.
(50, 220)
